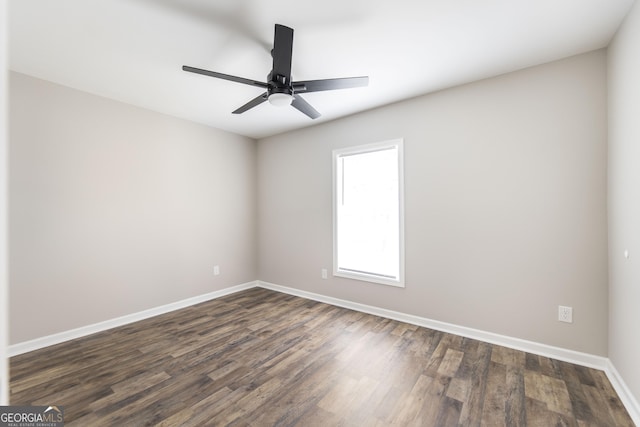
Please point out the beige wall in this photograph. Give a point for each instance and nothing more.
(624, 201)
(116, 209)
(505, 204)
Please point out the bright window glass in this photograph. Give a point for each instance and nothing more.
(368, 213)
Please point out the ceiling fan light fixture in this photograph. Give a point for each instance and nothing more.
(280, 99)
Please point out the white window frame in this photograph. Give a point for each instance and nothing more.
(361, 149)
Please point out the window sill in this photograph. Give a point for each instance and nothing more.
(369, 278)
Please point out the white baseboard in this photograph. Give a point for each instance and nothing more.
(571, 356)
(584, 359)
(38, 343)
(627, 398)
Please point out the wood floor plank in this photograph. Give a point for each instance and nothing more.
(471, 413)
(448, 413)
(435, 402)
(493, 409)
(450, 362)
(263, 358)
(409, 406)
(579, 402)
(515, 397)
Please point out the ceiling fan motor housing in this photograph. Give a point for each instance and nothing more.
(288, 90)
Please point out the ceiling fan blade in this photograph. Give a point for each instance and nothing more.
(282, 52)
(303, 106)
(224, 76)
(329, 84)
(249, 105)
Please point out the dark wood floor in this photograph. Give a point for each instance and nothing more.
(262, 358)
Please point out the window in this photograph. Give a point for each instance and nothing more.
(368, 223)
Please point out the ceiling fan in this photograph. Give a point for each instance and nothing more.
(281, 91)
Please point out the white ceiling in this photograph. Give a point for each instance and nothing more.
(133, 50)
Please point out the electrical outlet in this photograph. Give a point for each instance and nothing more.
(216, 270)
(565, 314)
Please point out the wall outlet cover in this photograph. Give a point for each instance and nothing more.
(565, 314)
